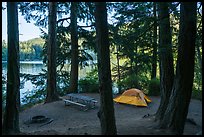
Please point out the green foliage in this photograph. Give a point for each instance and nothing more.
(29, 50)
(86, 12)
(37, 11)
(36, 41)
(154, 87)
(197, 84)
(4, 50)
(131, 81)
(3, 93)
(131, 35)
(39, 92)
(63, 78)
(196, 94)
(86, 46)
(90, 83)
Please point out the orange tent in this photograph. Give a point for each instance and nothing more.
(133, 97)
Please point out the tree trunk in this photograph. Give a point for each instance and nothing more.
(116, 33)
(118, 68)
(199, 58)
(165, 58)
(74, 50)
(51, 77)
(177, 110)
(135, 60)
(106, 112)
(11, 116)
(154, 57)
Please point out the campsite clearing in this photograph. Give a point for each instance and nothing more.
(70, 120)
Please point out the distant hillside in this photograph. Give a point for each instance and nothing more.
(35, 41)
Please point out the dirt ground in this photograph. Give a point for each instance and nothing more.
(70, 120)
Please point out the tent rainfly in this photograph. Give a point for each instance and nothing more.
(133, 97)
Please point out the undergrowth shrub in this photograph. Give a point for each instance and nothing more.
(90, 83)
(154, 87)
(196, 94)
(134, 81)
(130, 81)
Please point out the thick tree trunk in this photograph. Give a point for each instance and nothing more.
(177, 110)
(106, 112)
(74, 50)
(154, 57)
(11, 116)
(165, 59)
(51, 69)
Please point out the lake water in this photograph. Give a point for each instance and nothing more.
(35, 67)
(27, 67)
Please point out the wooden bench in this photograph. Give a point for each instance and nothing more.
(94, 102)
(75, 103)
(88, 101)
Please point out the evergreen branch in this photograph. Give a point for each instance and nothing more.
(87, 26)
(63, 19)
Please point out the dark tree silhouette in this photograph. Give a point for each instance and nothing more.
(11, 116)
(106, 112)
(176, 113)
(74, 49)
(165, 58)
(51, 76)
(154, 56)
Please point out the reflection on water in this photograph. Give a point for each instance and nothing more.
(29, 67)
(35, 67)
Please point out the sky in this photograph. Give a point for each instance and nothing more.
(26, 30)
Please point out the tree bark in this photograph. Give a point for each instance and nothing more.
(118, 68)
(52, 94)
(74, 50)
(177, 110)
(106, 111)
(199, 57)
(165, 59)
(11, 116)
(154, 56)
